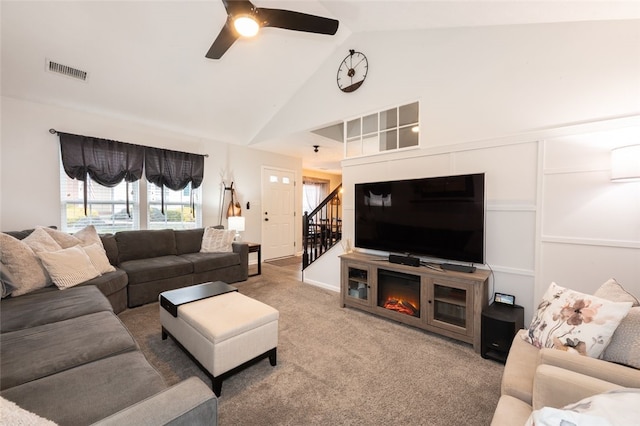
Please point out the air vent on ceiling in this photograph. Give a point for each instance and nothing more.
(66, 70)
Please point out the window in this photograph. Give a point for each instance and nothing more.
(179, 213)
(388, 130)
(313, 192)
(109, 203)
(106, 207)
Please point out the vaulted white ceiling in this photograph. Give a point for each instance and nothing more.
(145, 59)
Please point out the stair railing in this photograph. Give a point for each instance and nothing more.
(322, 228)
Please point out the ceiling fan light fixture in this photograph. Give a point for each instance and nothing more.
(246, 25)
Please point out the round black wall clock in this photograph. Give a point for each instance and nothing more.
(352, 71)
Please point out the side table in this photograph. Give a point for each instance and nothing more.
(256, 248)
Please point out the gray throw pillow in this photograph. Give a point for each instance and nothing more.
(624, 347)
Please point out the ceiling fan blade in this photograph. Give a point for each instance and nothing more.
(222, 43)
(297, 21)
(235, 7)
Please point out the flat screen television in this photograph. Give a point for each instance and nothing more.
(440, 217)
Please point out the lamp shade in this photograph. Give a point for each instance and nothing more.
(236, 223)
(625, 163)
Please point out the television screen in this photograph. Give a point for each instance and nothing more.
(441, 217)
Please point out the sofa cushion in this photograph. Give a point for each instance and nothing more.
(90, 392)
(510, 411)
(203, 262)
(145, 270)
(144, 244)
(576, 322)
(36, 309)
(23, 265)
(110, 247)
(109, 283)
(37, 352)
(189, 240)
(517, 379)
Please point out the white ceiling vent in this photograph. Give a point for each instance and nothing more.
(66, 70)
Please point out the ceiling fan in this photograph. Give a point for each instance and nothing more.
(244, 16)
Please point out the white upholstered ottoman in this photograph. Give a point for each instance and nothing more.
(224, 333)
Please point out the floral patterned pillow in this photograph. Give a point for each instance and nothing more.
(572, 321)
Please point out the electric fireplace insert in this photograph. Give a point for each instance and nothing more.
(399, 292)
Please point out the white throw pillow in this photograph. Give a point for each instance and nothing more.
(88, 235)
(68, 267)
(217, 240)
(62, 238)
(98, 258)
(576, 322)
(26, 270)
(612, 290)
(13, 414)
(84, 237)
(40, 240)
(617, 407)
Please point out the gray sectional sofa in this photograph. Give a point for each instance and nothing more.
(67, 357)
(161, 260)
(149, 262)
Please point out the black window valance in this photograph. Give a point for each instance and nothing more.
(173, 169)
(108, 162)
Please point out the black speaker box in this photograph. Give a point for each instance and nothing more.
(500, 323)
(404, 260)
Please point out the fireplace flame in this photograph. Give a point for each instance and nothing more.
(402, 306)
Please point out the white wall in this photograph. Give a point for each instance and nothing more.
(589, 226)
(30, 191)
(480, 83)
(500, 100)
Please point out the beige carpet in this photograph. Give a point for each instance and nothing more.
(287, 261)
(337, 366)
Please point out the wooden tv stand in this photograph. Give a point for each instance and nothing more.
(450, 303)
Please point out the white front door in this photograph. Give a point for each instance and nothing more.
(278, 213)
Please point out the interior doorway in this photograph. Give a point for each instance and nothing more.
(278, 213)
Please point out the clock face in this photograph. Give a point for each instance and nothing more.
(352, 71)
